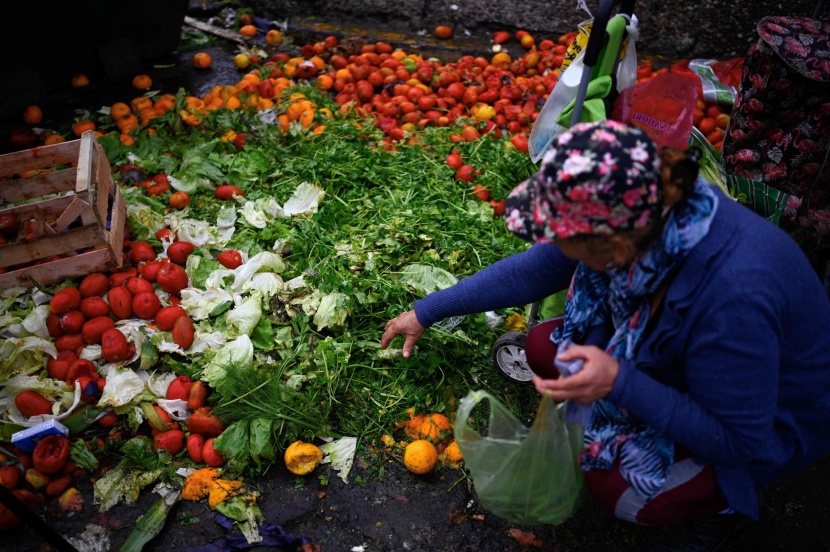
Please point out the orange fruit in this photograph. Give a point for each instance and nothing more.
(273, 37)
(420, 456)
(54, 139)
(202, 60)
(453, 452)
(443, 31)
(248, 30)
(82, 126)
(119, 110)
(79, 81)
(301, 458)
(142, 82)
(433, 426)
(32, 115)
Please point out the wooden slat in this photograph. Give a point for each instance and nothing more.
(85, 162)
(51, 207)
(218, 31)
(21, 252)
(115, 236)
(72, 212)
(59, 270)
(41, 157)
(29, 188)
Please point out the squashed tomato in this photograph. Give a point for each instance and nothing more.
(51, 454)
(195, 444)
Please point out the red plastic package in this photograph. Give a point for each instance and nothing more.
(663, 107)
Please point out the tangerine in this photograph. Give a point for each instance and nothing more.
(273, 37)
(79, 81)
(443, 31)
(32, 115)
(82, 126)
(453, 452)
(248, 30)
(420, 456)
(142, 82)
(202, 60)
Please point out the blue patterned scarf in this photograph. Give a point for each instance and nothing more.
(645, 455)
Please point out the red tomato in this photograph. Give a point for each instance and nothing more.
(89, 389)
(228, 191)
(95, 328)
(179, 389)
(53, 324)
(178, 252)
(80, 368)
(10, 476)
(179, 200)
(210, 455)
(519, 141)
(164, 234)
(141, 252)
(72, 321)
(149, 271)
(121, 302)
(9, 225)
(195, 444)
(93, 307)
(466, 173)
(73, 342)
(31, 403)
(172, 278)
(146, 305)
(498, 207)
(198, 395)
(58, 368)
(51, 454)
(172, 441)
(108, 420)
(65, 300)
(118, 278)
(167, 316)
(229, 258)
(114, 346)
(137, 285)
(482, 192)
(94, 285)
(57, 486)
(454, 161)
(183, 332)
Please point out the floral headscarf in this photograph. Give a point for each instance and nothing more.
(599, 178)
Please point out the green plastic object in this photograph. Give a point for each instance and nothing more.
(524, 475)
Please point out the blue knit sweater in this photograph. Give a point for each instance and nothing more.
(736, 367)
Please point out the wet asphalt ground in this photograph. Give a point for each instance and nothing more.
(384, 507)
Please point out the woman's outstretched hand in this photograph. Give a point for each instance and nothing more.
(407, 325)
(594, 381)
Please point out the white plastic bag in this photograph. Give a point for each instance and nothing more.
(546, 128)
(627, 68)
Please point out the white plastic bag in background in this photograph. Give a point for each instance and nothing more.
(627, 68)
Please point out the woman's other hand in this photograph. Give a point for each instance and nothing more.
(594, 381)
(407, 325)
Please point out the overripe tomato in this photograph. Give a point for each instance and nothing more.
(183, 332)
(454, 161)
(31, 403)
(118, 278)
(172, 278)
(93, 307)
(141, 252)
(108, 420)
(51, 454)
(166, 420)
(466, 173)
(73, 342)
(443, 31)
(179, 251)
(58, 367)
(228, 191)
(146, 305)
(149, 271)
(94, 328)
(80, 368)
(10, 476)
(65, 300)
(172, 441)
(137, 285)
(9, 225)
(230, 258)
(481, 192)
(114, 346)
(94, 285)
(210, 455)
(204, 422)
(53, 324)
(498, 207)
(121, 302)
(179, 389)
(167, 316)
(198, 395)
(195, 444)
(72, 321)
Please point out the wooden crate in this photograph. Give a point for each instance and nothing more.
(77, 213)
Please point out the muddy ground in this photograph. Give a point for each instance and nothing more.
(390, 509)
